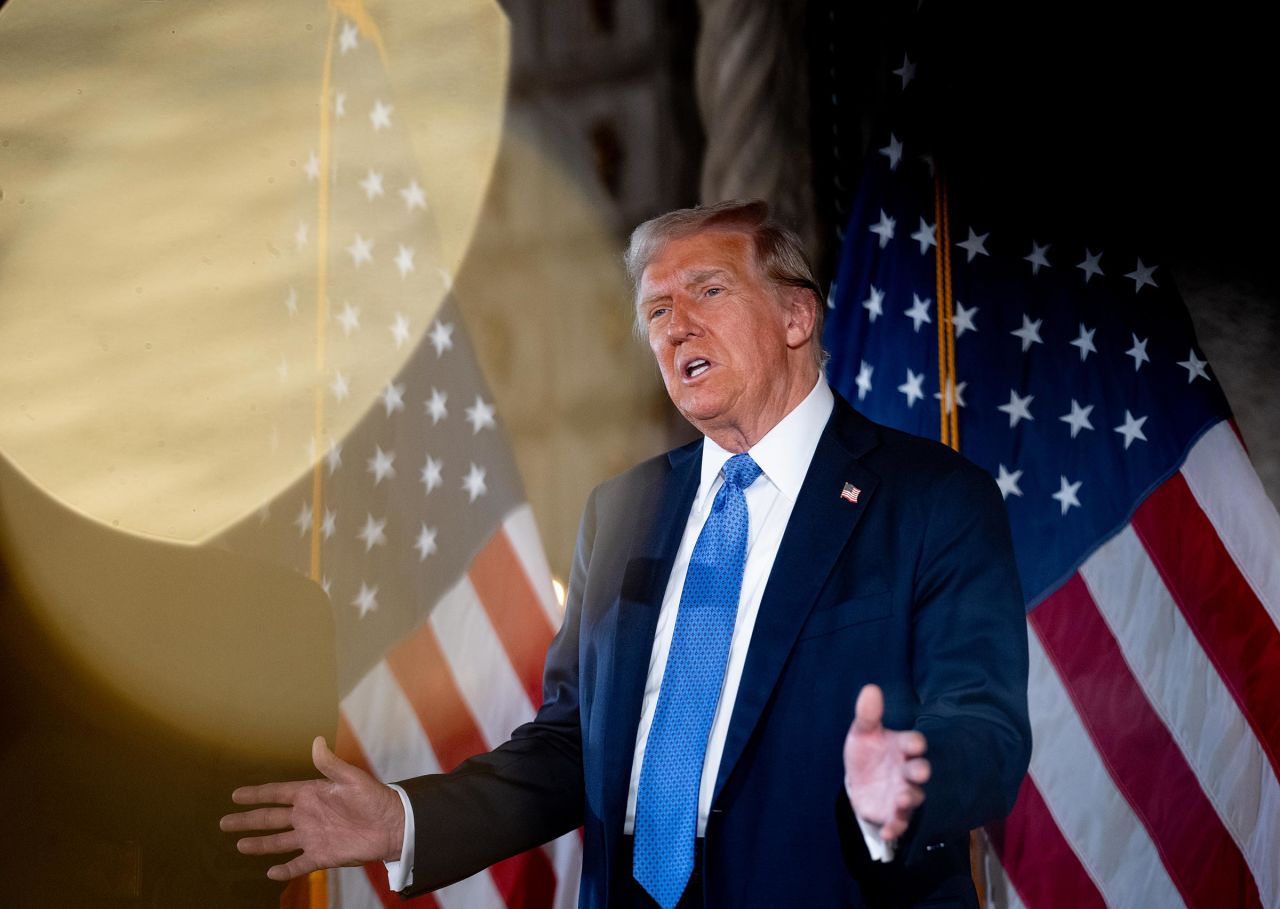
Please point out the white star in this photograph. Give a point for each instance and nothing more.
(963, 318)
(480, 415)
(400, 330)
(884, 229)
(959, 389)
(1066, 494)
(380, 116)
(330, 523)
(1008, 482)
(339, 105)
(366, 600)
(907, 71)
(300, 235)
(404, 260)
(372, 532)
(864, 379)
(361, 251)
(1131, 429)
(1078, 419)
(975, 245)
(333, 458)
(1018, 408)
(1139, 352)
(1029, 333)
(1194, 367)
(372, 185)
(347, 41)
(1039, 257)
(430, 473)
(291, 302)
(446, 280)
(911, 388)
(442, 337)
(1090, 265)
(1085, 342)
(874, 304)
(924, 236)
(893, 151)
(340, 386)
(436, 406)
(426, 542)
(393, 398)
(312, 167)
(473, 483)
(413, 196)
(304, 519)
(382, 464)
(919, 311)
(349, 318)
(1142, 276)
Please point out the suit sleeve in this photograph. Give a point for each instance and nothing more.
(969, 663)
(525, 792)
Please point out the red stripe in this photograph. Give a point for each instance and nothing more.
(1040, 863)
(514, 610)
(347, 747)
(1220, 607)
(1203, 861)
(526, 881)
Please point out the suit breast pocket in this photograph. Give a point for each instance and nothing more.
(865, 607)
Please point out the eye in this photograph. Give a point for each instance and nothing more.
(657, 311)
(713, 291)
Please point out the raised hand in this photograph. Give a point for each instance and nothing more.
(884, 769)
(347, 818)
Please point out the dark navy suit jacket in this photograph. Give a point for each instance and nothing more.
(913, 587)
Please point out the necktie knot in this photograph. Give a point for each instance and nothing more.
(740, 471)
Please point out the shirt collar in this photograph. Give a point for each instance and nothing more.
(784, 452)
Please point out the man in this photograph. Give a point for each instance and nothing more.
(765, 632)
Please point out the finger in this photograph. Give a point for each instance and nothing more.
(267, 794)
(917, 770)
(908, 799)
(869, 709)
(295, 867)
(268, 845)
(912, 743)
(333, 767)
(258, 819)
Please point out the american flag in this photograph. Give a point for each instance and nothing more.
(413, 519)
(1148, 551)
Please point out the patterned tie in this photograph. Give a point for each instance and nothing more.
(667, 797)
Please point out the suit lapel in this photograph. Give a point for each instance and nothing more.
(648, 567)
(820, 526)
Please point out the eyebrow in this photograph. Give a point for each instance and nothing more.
(706, 274)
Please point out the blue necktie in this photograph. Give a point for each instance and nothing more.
(667, 797)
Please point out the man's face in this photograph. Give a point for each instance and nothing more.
(731, 346)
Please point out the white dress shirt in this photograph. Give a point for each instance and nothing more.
(783, 455)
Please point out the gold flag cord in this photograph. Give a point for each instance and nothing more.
(948, 405)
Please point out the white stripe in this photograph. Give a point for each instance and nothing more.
(1186, 691)
(349, 888)
(566, 858)
(1000, 892)
(1094, 817)
(1227, 488)
(522, 531)
(397, 748)
(480, 666)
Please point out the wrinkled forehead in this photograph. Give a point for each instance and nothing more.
(697, 257)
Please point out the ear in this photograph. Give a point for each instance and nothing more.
(800, 305)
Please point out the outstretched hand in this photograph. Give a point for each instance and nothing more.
(347, 818)
(884, 769)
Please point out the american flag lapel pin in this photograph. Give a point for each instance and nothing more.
(850, 493)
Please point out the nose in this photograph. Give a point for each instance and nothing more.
(683, 322)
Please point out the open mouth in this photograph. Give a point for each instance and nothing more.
(695, 368)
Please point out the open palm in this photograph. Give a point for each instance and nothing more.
(884, 769)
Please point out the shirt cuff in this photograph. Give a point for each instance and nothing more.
(400, 873)
(881, 850)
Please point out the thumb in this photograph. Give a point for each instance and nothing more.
(333, 767)
(869, 710)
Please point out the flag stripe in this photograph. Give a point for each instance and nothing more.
(350, 888)
(1036, 857)
(1217, 602)
(1185, 690)
(513, 607)
(1219, 474)
(522, 533)
(420, 667)
(1102, 829)
(1203, 861)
